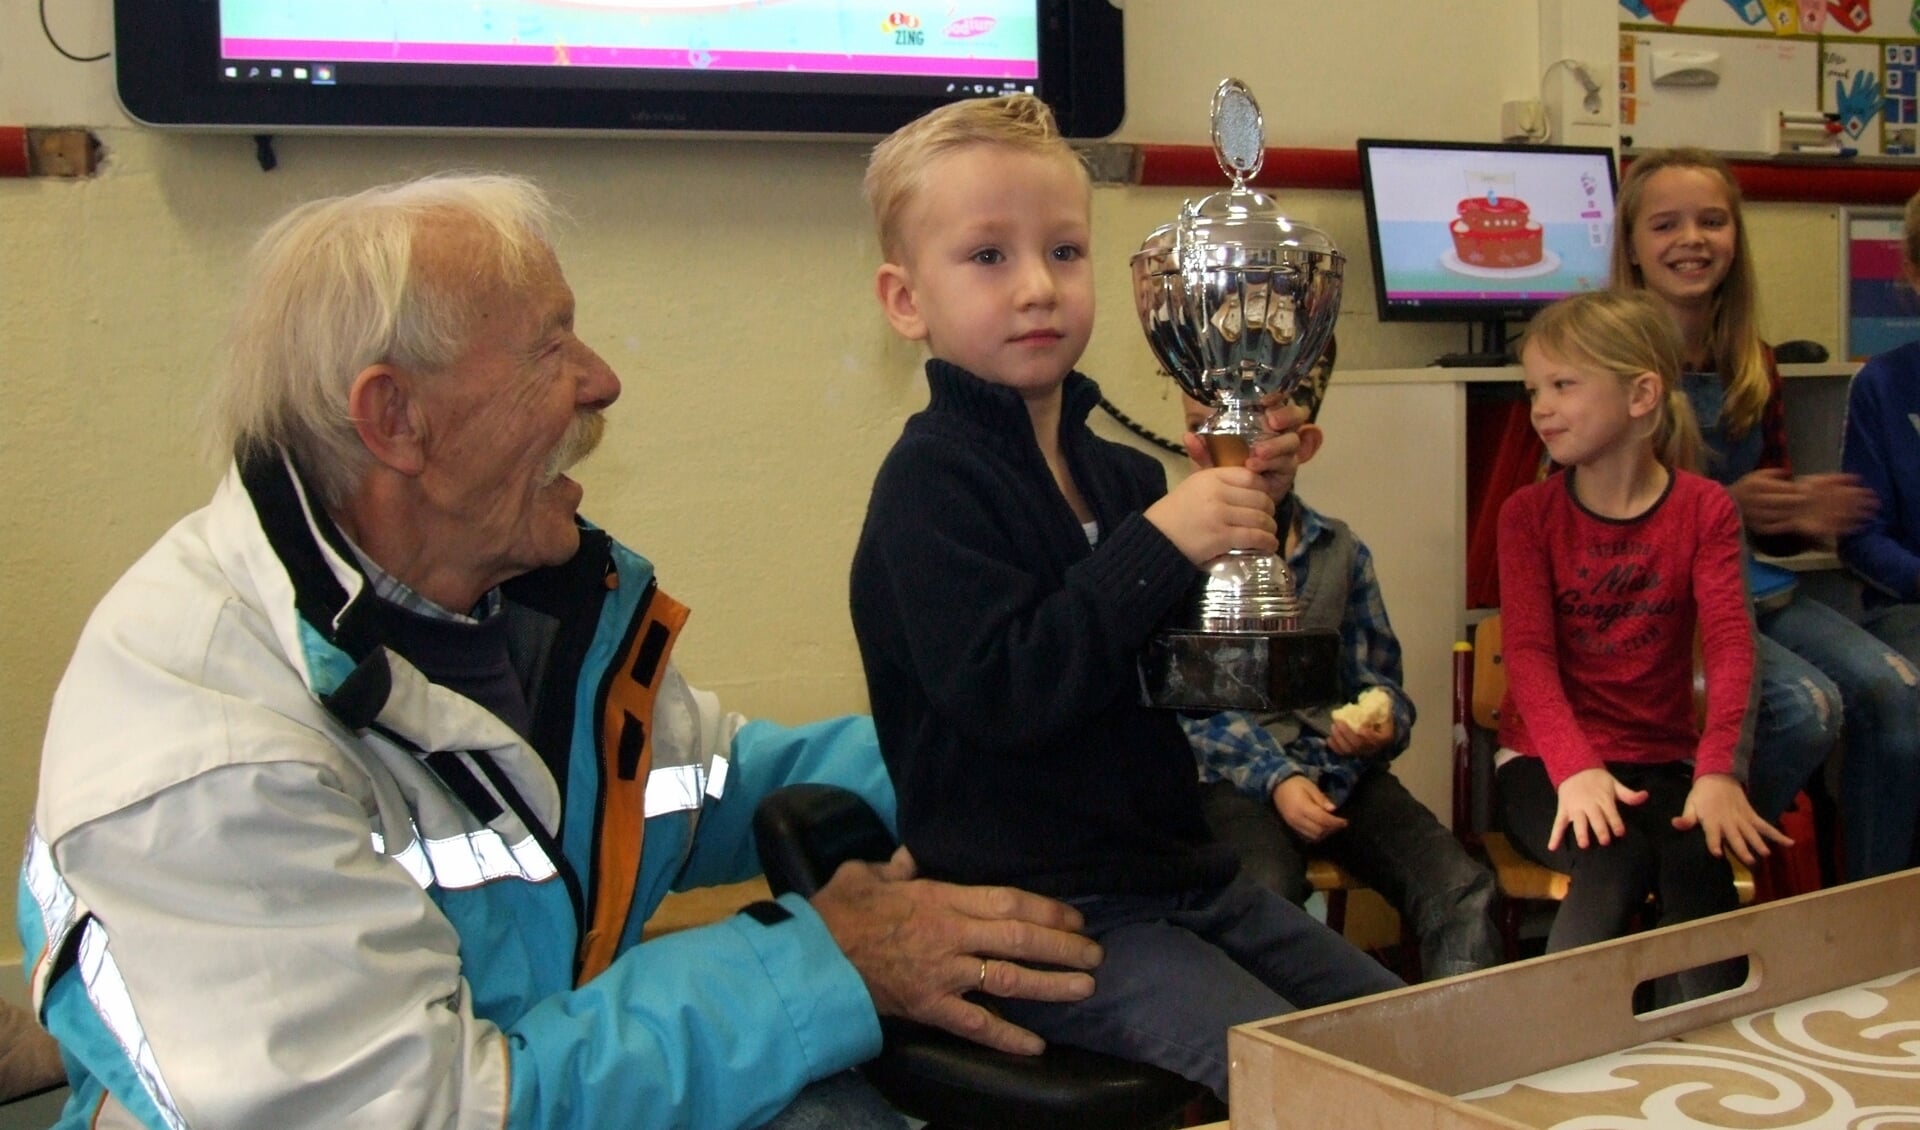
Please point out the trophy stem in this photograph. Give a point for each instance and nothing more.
(1228, 450)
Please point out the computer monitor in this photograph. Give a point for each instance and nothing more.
(1484, 234)
(777, 67)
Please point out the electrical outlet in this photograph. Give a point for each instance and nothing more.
(1523, 120)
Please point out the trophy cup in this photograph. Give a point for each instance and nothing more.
(1237, 303)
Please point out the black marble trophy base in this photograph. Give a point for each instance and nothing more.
(1193, 670)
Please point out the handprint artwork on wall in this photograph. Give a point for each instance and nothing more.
(1857, 104)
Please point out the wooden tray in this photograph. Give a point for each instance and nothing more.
(1397, 1061)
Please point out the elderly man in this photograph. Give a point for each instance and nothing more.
(363, 781)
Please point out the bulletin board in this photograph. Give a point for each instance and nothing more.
(1878, 310)
(1853, 59)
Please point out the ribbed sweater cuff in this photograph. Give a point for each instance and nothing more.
(1137, 564)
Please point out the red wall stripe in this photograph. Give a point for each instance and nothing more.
(13, 152)
(1839, 183)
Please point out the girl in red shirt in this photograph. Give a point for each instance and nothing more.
(1607, 573)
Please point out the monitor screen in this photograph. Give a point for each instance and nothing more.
(821, 67)
(1488, 233)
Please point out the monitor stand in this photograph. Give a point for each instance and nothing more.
(1490, 352)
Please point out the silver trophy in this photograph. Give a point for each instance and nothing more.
(1238, 302)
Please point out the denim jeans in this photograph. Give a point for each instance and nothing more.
(1180, 969)
(1897, 626)
(1880, 763)
(838, 1102)
(1392, 843)
(1797, 729)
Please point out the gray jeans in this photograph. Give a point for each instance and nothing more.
(1393, 844)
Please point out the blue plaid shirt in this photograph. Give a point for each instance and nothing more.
(1233, 746)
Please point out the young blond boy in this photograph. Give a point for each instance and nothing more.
(1011, 566)
(1281, 786)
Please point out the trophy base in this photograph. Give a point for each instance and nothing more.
(1183, 669)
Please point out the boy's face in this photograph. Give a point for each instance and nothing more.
(996, 277)
(1278, 478)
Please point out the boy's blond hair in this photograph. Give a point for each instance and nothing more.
(1625, 333)
(898, 169)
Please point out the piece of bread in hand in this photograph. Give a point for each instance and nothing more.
(1370, 713)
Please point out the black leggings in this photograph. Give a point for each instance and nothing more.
(1611, 883)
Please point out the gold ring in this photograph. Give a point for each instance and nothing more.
(982, 987)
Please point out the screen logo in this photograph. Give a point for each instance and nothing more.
(905, 29)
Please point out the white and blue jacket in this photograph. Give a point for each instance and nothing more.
(277, 878)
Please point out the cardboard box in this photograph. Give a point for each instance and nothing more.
(1396, 1061)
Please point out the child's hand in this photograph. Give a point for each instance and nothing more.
(1719, 806)
(1364, 741)
(1306, 809)
(1768, 500)
(1589, 804)
(1817, 506)
(1216, 510)
(1834, 504)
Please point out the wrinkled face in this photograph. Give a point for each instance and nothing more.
(1580, 413)
(997, 278)
(1683, 238)
(506, 420)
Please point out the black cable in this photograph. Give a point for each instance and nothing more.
(48, 32)
(1140, 430)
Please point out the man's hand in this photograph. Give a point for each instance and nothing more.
(1589, 804)
(1719, 806)
(919, 945)
(1306, 809)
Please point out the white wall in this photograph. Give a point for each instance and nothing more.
(728, 283)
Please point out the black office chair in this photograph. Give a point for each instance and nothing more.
(804, 833)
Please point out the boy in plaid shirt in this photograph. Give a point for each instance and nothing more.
(1281, 786)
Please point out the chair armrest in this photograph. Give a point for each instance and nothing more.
(805, 832)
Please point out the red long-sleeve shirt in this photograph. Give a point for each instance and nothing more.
(1599, 620)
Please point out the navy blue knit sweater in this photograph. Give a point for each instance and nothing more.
(999, 651)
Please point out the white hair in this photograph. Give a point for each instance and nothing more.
(339, 284)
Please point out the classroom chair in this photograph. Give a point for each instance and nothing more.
(804, 833)
(1479, 685)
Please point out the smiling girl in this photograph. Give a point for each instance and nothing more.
(1679, 236)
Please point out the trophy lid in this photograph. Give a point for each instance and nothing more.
(1242, 216)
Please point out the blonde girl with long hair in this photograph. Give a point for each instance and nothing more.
(1680, 236)
(1608, 571)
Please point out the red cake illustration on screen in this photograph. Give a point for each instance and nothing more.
(1496, 231)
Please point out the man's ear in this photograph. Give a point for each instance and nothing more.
(894, 287)
(387, 418)
(1311, 437)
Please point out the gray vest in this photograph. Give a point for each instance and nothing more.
(1323, 604)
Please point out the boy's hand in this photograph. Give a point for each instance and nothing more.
(1719, 806)
(1306, 809)
(1216, 510)
(1366, 741)
(1589, 804)
(1280, 443)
